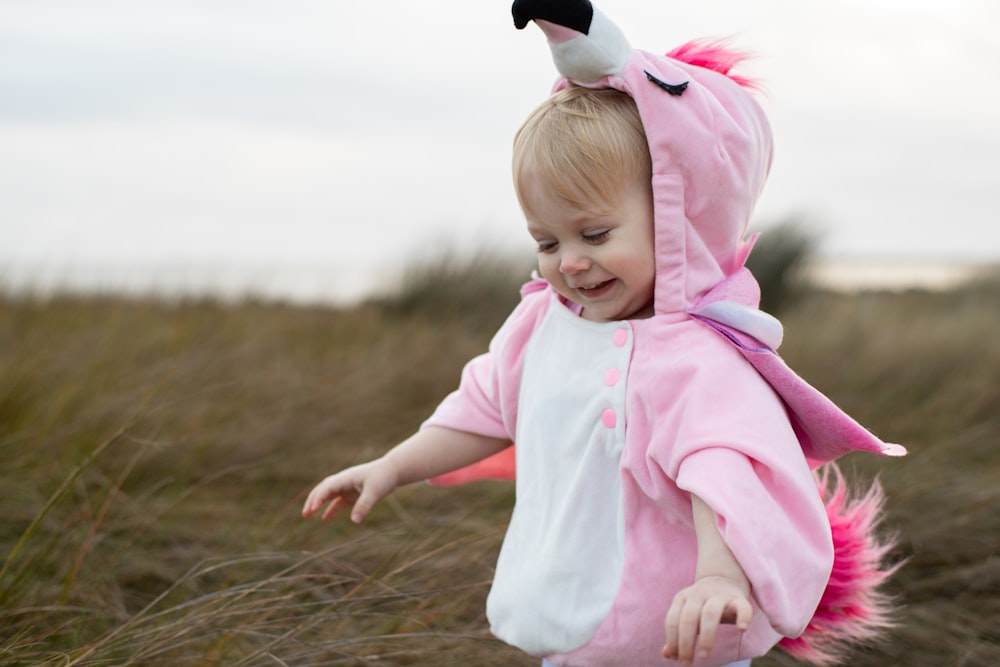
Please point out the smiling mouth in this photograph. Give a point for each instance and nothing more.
(596, 289)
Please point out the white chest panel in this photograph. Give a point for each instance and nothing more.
(560, 565)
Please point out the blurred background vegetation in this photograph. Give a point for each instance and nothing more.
(155, 455)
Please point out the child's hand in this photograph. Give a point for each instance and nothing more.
(698, 610)
(361, 486)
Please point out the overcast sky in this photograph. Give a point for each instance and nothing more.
(352, 135)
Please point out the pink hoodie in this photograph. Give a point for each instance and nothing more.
(617, 423)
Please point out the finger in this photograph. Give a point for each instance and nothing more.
(744, 614)
(687, 629)
(366, 500)
(711, 615)
(312, 503)
(335, 506)
(328, 489)
(671, 622)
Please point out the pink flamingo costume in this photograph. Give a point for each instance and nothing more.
(617, 423)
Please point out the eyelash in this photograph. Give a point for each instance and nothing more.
(599, 237)
(592, 239)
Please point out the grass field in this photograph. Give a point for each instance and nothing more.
(155, 456)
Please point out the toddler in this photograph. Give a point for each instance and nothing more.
(666, 504)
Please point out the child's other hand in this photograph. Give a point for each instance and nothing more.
(698, 610)
(361, 487)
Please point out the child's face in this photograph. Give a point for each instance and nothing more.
(602, 260)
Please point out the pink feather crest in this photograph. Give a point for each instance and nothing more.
(715, 55)
(853, 610)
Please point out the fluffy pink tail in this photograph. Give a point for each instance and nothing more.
(853, 609)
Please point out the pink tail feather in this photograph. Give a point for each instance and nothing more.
(853, 610)
(715, 55)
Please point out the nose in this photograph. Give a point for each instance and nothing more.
(572, 262)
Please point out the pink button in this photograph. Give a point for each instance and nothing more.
(621, 337)
(609, 418)
(612, 376)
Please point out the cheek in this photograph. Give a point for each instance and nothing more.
(649, 273)
(642, 272)
(548, 266)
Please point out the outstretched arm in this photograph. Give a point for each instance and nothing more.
(720, 594)
(427, 453)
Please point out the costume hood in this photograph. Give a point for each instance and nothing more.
(709, 141)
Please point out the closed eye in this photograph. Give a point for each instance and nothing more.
(547, 246)
(597, 238)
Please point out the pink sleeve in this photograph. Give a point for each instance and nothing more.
(729, 441)
(476, 405)
(774, 523)
(486, 399)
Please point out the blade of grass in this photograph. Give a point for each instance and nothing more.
(98, 521)
(52, 502)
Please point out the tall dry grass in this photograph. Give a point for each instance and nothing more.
(154, 459)
(155, 455)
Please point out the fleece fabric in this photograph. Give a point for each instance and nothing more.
(618, 423)
(592, 560)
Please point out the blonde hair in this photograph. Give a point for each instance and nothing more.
(586, 146)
